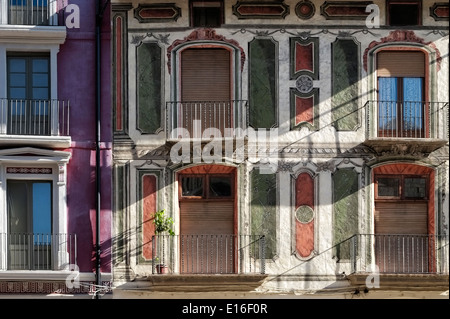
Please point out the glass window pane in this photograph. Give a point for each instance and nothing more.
(42, 208)
(17, 206)
(40, 65)
(412, 103)
(415, 187)
(40, 80)
(17, 79)
(220, 186)
(192, 186)
(388, 187)
(387, 105)
(17, 93)
(17, 65)
(40, 94)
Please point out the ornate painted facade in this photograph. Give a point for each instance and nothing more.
(299, 146)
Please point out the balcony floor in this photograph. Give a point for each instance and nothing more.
(196, 283)
(404, 146)
(408, 282)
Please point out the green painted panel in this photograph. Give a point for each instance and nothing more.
(345, 206)
(345, 79)
(262, 83)
(263, 205)
(148, 87)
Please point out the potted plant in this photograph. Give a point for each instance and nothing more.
(163, 226)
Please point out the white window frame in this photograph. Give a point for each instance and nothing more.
(39, 158)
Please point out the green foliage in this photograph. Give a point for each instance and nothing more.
(163, 223)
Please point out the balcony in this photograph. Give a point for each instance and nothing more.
(408, 127)
(30, 12)
(39, 122)
(201, 119)
(32, 251)
(410, 261)
(208, 254)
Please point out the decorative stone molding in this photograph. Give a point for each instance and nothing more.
(402, 36)
(258, 10)
(326, 166)
(305, 9)
(43, 287)
(440, 11)
(304, 83)
(147, 13)
(204, 34)
(345, 10)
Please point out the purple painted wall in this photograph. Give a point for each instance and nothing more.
(77, 83)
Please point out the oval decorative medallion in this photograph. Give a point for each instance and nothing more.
(304, 214)
(305, 9)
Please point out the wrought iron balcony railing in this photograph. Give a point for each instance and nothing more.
(209, 254)
(201, 119)
(34, 117)
(30, 12)
(407, 119)
(396, 254)
(32, 251)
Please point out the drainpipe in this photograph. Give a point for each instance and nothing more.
(99, 9)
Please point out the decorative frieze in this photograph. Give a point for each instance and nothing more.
(29, 170)
(159, 12)
(402, 36)
(204, 34)
(345, 10)
(260, 10)
(48, 288)
(305, 9)
(440, 11)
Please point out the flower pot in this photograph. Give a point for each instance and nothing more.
(161, 269)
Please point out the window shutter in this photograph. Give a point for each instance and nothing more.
(206, 217)
(205, 75)
(401, 64)
(401, 217)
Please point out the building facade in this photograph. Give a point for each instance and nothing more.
(300, 147)
(55, 158)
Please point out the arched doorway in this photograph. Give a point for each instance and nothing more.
(207, 207)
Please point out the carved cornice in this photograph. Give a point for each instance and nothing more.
(402, 36)
(204, 34)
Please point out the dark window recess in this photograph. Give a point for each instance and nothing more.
(404, 13)
(415, 187)
(220, 186)
(402, 187)
(192, 186)
(206, 14)
(388, 187)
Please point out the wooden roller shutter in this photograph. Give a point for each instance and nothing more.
(401, 64)
(205, 74)
(206, 217)
(401, 217)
